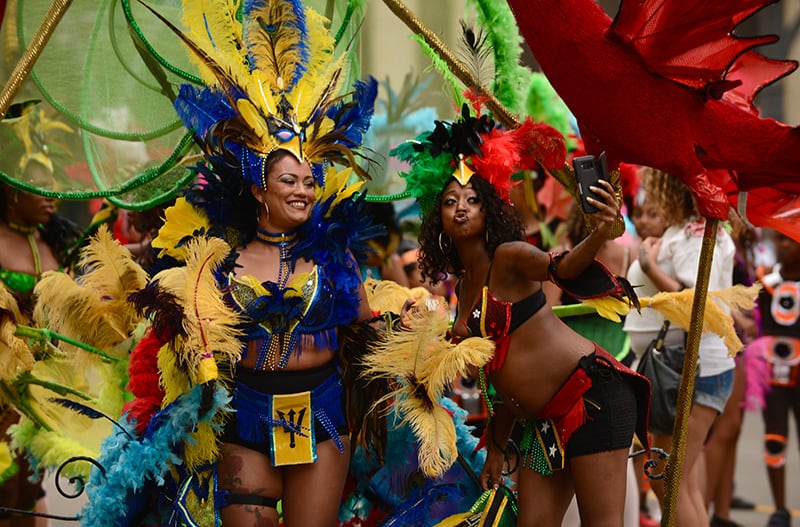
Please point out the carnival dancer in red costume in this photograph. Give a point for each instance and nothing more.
(580, 405)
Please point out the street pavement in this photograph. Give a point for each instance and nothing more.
(751, 481)
(751, 475)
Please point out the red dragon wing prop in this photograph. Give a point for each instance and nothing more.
(691, 42)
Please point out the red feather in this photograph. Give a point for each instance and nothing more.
(669, 86)
(143, 381)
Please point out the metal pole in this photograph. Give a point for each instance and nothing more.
(28, 59)
(686, 391)
(500, 112)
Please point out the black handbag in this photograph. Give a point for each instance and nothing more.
(662, 365)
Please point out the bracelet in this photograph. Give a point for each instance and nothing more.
(555, 257)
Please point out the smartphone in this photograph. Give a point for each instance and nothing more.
(588, 171)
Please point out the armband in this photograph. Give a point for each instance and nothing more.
(596, 281)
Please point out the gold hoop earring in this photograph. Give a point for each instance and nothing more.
(445, 247)
(266, 208)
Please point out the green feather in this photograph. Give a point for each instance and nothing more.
(511, 77)
(444, 70)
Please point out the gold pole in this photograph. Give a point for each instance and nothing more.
(25, 64)
(672, 472)
(500, 112)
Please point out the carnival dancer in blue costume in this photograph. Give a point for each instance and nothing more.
(273, 122)
(581, 406)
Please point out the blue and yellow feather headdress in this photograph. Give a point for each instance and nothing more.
(272, 81)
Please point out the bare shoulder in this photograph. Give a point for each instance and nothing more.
(519, 256)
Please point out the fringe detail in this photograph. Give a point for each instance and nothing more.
(758, 372)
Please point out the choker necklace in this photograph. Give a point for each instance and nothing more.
(275, 238)
(28, 231)
(22, 228)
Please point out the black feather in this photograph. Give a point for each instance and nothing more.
(162, 307)
(87, 411)
(16, 110)
(629, 292)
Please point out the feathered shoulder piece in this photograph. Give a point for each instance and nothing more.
(610, 294)
(272, 81)
(475, 145)
(336, 235)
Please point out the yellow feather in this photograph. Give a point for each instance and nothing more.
(320, 40)
(387, 295)
(458, 360)
(338, 186)
(182, 220)
(52, 449)
(212, 26)
(677, 308)
(210, 323)
(258, 89)
(419, 356)
(95, 310)
(16, 356)
(321, 69)
(203, 448)
(174, 377)
(254, 120)
(113, 275)
(78, 312)
(317, 89)
(5, 457)
(435, 433)
(609, 307)
(69, 434)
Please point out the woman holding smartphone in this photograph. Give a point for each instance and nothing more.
(572, 396)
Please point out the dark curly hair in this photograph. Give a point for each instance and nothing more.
(503, 224)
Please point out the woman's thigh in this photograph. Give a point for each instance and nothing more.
(600, 482)
(313, 491)
(543, 500)
(248, 474)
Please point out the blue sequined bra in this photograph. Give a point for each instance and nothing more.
(283, 319)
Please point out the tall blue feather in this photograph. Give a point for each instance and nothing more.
(199, 108)
(353, 119)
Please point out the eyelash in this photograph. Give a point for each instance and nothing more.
(474, 200)
(289, 181)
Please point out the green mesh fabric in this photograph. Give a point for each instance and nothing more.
(110, 70)
(127, 141)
